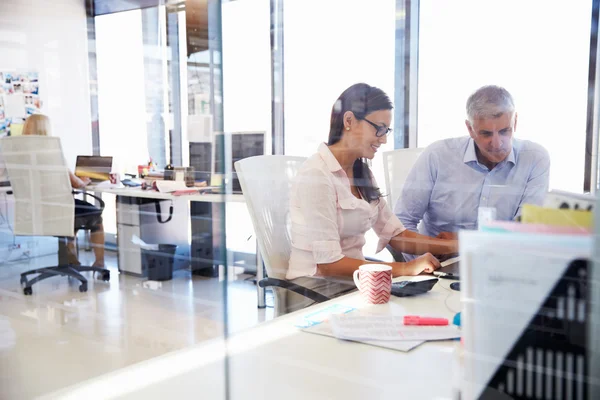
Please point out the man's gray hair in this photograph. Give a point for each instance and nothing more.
(489, 102)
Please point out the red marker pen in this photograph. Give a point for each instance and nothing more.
(416, 320)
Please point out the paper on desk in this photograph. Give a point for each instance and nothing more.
(108, 185)
(136, 240)
(322, 315)
(450, 261)
(404, 345)
(170, 186)
(386, 327)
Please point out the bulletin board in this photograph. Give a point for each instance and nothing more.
(19, 97)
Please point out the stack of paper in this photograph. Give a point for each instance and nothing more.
(387, 327)
(510, 226)
(386, 331)
(401, 345)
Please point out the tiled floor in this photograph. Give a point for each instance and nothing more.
(59, 336)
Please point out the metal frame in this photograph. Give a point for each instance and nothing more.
(172, 37)
(93, 75)
(406, 76)
(277, 84)
(590, 180)
(93, 78)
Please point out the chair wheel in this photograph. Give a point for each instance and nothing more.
(28, 291)
(105, 276)
(83, 287)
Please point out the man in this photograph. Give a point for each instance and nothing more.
(453, 178)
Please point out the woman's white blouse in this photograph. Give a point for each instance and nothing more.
(327, 221)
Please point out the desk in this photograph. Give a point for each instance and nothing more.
(276, 360)
(201, 206)
(153, 194)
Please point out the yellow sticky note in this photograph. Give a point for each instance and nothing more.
(531, 214)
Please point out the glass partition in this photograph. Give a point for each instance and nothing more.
(197, 210)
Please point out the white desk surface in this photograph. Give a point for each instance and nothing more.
(152, 194)
(276, 360)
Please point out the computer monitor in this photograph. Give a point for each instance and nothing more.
(96, 168)
(238, 145)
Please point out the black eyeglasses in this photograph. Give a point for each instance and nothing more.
(381, 130)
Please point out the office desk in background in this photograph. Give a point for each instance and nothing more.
(277, 360)
(206, 219)
(153, 194)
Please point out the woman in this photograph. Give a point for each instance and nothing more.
(335, 199)
(86, 214)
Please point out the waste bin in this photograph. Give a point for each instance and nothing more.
(159, 263)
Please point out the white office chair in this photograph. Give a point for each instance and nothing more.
(266, 183)
(397, 164)
(44, 204)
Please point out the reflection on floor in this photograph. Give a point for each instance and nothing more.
(59, 336)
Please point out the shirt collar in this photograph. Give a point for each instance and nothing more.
(470, 153)
(471, 156)
(330, 160)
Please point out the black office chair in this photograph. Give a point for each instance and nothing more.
(64, 268)
(44, 204)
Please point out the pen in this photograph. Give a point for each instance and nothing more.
(416, 320)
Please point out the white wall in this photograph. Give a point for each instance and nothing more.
(51, 37)
(536, 49)
(246, 66)
(345, 42)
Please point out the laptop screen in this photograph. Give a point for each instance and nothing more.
(96, 168)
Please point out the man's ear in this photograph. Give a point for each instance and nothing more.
(470, 128)
(515, 124)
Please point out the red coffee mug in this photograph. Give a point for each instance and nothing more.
(114, 178)
(374, 281)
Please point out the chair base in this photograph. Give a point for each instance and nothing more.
(73, 271)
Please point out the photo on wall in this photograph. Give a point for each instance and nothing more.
(19, 98)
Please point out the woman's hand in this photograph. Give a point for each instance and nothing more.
(77, 182)
(84, 182)
(426, 263)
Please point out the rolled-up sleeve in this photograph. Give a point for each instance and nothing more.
(387, 225)
(313, 212)
(537, 182)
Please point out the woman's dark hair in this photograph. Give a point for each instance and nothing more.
(362, 100)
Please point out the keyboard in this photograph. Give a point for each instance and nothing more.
(131, 183)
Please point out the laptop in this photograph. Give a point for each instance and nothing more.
(97, 168)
